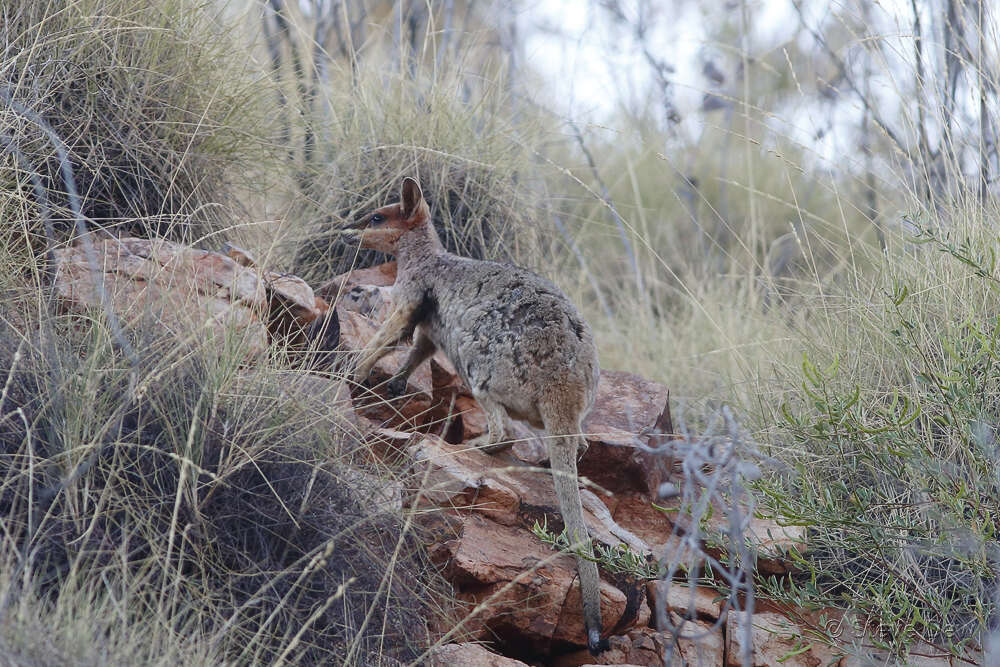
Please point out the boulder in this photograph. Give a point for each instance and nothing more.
(700, 602)
(776, 640)
(382, 275)
(471, 481)
(364, 291)
(626, 412)
(194, 294)
(469, 655)
(521, 592)
(772, 541)
(698, 643)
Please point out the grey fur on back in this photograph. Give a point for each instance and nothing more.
(511, 334)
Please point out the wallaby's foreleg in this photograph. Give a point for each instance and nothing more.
(395, 327)
(423, 347)
(495, 439)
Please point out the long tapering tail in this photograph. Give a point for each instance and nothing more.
(562, 455)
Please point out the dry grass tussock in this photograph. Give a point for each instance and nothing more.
(472, 166)
(201, 507)
(161, 115)
(167, 506)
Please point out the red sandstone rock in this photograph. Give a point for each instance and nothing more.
(520, 589)
(772, 541)
(239, 255)
(776, 640)
(194, 294)
(700, 602)
(626, 406)
(383, 275)
(469, 655)
(636, 511)
(697, 644)
(490, 560)
(364, 291)
(571, 619)
(508, 493)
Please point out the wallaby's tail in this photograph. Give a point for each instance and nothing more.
(563, 443)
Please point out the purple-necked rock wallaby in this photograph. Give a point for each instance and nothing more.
(515, 339)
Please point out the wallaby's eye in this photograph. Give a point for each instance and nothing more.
(377, 218)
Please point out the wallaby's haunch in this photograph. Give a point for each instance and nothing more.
(514, 338)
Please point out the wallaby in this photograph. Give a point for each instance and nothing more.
(514, 338)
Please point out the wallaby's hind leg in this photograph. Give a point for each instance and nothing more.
(495, 439)
(422, 348)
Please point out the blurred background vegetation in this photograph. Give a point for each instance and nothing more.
(787, 207)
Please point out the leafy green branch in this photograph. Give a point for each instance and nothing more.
(617, 559)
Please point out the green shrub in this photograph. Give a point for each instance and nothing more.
(895, 443)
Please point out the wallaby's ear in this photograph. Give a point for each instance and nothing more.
(412, 196)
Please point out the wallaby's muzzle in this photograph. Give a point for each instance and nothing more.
(354, 229)
(360, 223)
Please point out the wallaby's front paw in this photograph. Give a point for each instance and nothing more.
(396, 386)
(361, 377)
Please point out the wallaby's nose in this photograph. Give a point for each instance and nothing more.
(353, 229)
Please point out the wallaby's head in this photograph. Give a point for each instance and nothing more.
(383, 228)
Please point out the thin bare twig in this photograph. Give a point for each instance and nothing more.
(845, 74)
(606, 196)
(715, 467)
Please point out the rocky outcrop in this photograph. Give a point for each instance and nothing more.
(469, 655)
(481, 512)
(697, 643)
(196, 295)
(776, 640)
(522, 597)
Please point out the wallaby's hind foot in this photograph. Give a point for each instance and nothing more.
(486, 444)
(495, 439)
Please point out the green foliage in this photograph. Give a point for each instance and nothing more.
(618, 559)
(899, 482)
